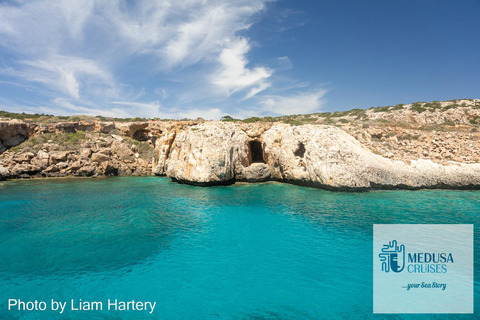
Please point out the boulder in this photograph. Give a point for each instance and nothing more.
(110, 168)
(74, 166)
(25, 170)
(100, 157)
(256, 172)
(121, 149)
(104, 127)
(4, 173)
(52, 168)
(23, 157)
(87, 170)
(59, 156)
(85, 152)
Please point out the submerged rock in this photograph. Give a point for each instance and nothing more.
(4, 173)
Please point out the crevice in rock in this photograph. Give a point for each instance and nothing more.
(170, 142)
(255, 152)
(140, 135)
(300, 152)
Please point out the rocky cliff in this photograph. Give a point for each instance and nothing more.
(315, 155)
(210, 153)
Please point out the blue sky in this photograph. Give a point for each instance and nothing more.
(191, 58)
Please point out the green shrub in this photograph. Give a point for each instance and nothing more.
(432, 106)
(382, 109)
(227, 118)
(127, 157)
(328, 120)
(356, 112)
(418, 106)
(66, 141)
(293, 122)
(448, 123)
(408, 137)
(251, 120)
(450, 106)
(145, 150)
(269, 119)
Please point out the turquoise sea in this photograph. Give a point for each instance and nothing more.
(250, 251)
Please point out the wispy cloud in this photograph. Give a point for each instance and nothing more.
(300, 102)
(234, 75)
(42, 27)
(73, 109)
(64, 73)
(156, 109)
(142, 109)
(284, 63)
(89, 56)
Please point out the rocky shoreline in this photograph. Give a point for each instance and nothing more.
(344, 156)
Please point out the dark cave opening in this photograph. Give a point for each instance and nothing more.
(256, 152)
(300, 152)
(141, 135)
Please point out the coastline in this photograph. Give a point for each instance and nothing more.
(341, 156)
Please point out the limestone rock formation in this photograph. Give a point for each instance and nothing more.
(209, 153)
(316, 155)
(14, 132)
(328, 157)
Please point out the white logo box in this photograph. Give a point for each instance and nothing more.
(423, 268)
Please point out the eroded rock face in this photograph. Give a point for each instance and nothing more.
(4, 173)
(207, 154)
(14, 132)
(316, 155)
(96, 155)
(328, 157)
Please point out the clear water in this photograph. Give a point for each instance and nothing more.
(257, 251)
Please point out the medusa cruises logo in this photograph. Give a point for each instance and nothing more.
(422, 268)
(393, 257)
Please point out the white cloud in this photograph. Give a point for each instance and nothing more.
(207, 114)
(234, 75)
(208, 30)
(63, 73)
(89, 56)
(154, 109)
(179, 33)
(300, 102)
(65, 107)
(150, 109)
(284, 63)
(262, 86)
(43, 27)
(161, 92)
